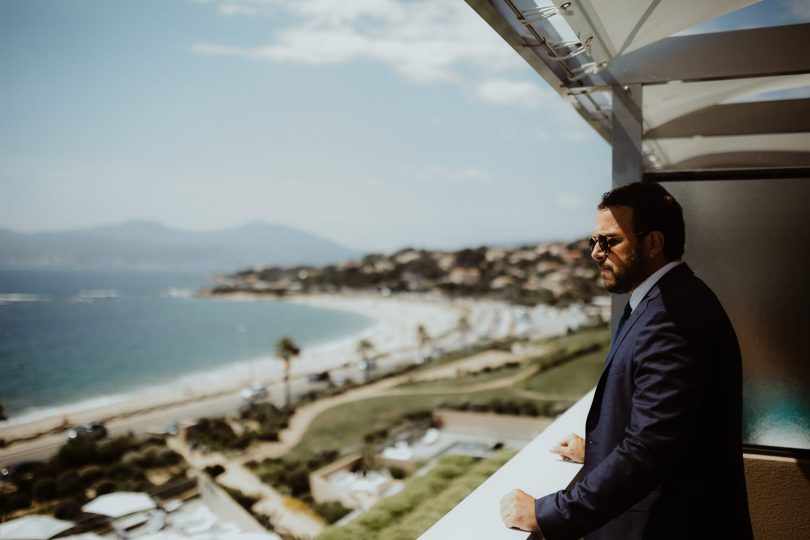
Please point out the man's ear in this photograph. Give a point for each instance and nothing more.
(655, 244)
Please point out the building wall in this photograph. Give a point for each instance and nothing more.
(225, 508)
(323, 491)
(492, 425)
(749, 241)
(779, 495)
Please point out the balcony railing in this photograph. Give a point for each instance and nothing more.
(535, 470)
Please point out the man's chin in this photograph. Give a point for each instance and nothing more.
(614, 287)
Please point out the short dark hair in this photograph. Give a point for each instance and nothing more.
(654, 209)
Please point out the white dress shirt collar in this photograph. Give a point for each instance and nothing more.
(641, 291)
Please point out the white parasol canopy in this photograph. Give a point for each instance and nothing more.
(615, 27)
(33, 527)
(251, 536)
(119, 504)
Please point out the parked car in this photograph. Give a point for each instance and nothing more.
(254, 392)
(323, 376)
(89, 431)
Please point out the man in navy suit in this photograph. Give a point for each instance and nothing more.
(662, 450)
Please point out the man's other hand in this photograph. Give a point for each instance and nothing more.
(571, 448)
(517, 511)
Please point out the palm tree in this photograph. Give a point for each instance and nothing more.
(364, 348)
(464, 328)
(287, 349)
(424, 339)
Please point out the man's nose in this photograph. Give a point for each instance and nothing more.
(597, 254)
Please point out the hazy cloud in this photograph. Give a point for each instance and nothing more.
(424, 41)
(569, 201)
(454, 175)
(525, 94)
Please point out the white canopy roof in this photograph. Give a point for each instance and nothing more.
(33, 527)
(700, 103)
(119, 504)
(615, 27)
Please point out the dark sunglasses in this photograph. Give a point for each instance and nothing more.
(608, 241)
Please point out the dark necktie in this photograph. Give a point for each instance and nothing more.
(625, 315)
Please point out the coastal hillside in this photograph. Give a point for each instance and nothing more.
(555, 273)
(151, 245)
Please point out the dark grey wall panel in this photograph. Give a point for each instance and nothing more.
(750, 241)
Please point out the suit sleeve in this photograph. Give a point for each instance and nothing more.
(671, 370)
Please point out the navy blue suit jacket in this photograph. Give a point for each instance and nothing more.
(663, 455)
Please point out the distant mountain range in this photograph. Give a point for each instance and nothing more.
(150, 245)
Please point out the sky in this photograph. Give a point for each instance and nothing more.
(378, 124)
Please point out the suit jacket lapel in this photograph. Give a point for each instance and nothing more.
(679, 272)
(631, 321)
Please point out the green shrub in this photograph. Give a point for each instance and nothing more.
(111, 450)
(105, 486)
(69, 484)
(9, 502)
(69, 509)
(214, 470)
(89, 475)
(331, 511)
(397, 473)
(167, 457)
(44, 489)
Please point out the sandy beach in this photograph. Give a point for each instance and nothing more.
(394, 335)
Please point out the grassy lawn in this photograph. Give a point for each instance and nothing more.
(573, 378)
(579, 340)
(344, 426)
(471, 379)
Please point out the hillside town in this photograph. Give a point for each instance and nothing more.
(552, 273)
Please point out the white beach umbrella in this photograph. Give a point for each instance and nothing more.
(163, 535)
(251, 536)
(33, 527)
(83, 536)
(119, 504)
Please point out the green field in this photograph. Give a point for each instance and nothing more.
(466, 381)
(574, 378)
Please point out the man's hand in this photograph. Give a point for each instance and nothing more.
(571, 448)
(517, 511)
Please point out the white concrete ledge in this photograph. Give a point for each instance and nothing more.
(535, 470)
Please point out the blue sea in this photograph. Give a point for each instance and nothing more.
(74, 336)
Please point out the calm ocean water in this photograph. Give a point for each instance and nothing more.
(69, 336)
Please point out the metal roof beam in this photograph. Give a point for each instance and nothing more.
(499, 21)
(727, 174)
(752, 118)
(756, 52)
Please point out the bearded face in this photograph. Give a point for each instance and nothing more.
(622, 267)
